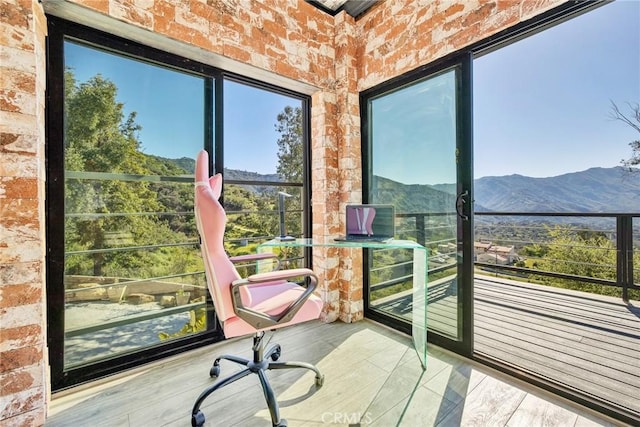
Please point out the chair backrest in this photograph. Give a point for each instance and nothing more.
(210, 220)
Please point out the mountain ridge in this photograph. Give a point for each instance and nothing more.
(595, 190)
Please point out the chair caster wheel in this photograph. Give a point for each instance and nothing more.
(197, 419)
(214, 372)
(276, 354)
(319, 381)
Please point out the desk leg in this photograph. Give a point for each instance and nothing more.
(419, 305)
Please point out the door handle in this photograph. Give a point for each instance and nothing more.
(460, 201)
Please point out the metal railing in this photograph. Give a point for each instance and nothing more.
(523, 230)
(436, 231)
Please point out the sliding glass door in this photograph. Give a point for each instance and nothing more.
(125, 275)
(418, 159)
(125, 279)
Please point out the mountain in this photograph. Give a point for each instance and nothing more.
(189, 166)
(413, 198)
(593, 190)
(608, 190)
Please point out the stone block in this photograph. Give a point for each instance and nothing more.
(138, 298)
(168, 301)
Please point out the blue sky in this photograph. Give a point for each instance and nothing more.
(169, 107)
(541, 105)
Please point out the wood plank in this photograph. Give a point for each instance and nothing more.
(534, 411)
(593, 303)
(607, 342)
(558, 334)
(591, 329)
(591, 297)
(580, 358)
(370, 370)
(629, 327)
(491, 403)
(554, 365)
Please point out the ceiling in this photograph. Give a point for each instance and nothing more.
(354, 8)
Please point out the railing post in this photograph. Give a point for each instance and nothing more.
(420, 233)
(624, 258)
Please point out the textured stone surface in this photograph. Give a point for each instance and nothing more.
(338, 55)
(22, 317)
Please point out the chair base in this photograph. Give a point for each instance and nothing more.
(258, 365)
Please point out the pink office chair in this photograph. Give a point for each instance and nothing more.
(263, 301)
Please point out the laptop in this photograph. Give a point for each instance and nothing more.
(369, 223)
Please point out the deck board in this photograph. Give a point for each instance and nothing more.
(590, 343)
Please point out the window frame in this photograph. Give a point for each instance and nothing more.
(60, 30)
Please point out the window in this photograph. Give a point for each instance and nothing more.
(555, 223)
(416, 153)
(125, 279)
(264, 157)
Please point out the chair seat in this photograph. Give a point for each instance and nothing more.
(272, 298)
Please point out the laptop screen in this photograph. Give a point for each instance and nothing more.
(370, 220)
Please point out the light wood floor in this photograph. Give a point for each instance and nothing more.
(372, 377)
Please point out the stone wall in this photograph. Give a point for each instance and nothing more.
(335, 56)
(23, 354)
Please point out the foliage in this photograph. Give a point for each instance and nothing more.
(291, 164)
(579, 254)
(569, 251)
(290, 144)
(197, 323)
(104, 213)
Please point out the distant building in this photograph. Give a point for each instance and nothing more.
(489, 253)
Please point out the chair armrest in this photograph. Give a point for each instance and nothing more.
(260, 320)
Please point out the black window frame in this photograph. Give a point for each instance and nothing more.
(60, 30)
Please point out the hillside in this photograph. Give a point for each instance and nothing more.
(592, 190)
(229, 174)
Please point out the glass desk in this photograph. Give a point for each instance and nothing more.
(419, 303)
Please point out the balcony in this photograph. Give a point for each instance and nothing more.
(588, 343)
(373, 377)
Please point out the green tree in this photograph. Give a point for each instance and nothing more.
(580, 254)
(291, 162)
(290, 148)
(99, 138)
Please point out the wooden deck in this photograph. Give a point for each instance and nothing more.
(372, 377)
(587, 342)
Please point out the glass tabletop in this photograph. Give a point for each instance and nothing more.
(332, 242)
